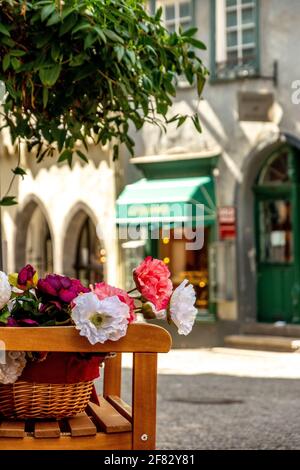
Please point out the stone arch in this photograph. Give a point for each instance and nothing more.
(31, 208)
(80, 215)
(245, 243)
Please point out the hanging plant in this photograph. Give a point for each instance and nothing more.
(79, 69)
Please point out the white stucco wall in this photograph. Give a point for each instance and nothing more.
(60, 193)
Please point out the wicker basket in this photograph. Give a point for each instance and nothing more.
(32, 400)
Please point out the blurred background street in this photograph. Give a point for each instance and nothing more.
(226, 399)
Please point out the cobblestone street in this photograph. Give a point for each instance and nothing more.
(227, 399)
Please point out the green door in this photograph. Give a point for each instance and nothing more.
(277, 239)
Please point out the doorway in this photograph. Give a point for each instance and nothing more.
(277, 221)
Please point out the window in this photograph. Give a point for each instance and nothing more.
(276, 235)
(187, 264)
(176, 14)
(277, 170)
(90, 256)
(236, 38)
(274, 206)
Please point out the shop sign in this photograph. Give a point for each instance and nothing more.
(227, 223)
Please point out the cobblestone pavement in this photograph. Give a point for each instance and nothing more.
(227, 399)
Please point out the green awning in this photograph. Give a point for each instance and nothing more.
(167, 201)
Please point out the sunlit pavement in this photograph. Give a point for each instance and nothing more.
(227, 399)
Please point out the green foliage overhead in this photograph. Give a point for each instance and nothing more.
(79, 68)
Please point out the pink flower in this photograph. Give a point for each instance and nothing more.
(103, 290)
(152, 279)
(62, 288)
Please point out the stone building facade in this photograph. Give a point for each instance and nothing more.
(250, 117)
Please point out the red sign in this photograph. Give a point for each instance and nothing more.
(227, 223)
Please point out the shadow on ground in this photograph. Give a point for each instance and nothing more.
(225, 412)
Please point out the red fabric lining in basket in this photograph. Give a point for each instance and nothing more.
(60, 368)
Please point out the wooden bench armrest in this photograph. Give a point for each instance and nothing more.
(140, 337)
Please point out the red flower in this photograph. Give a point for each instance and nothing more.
(62, 288)
(152, 279)
(26, 277)
(103, 290)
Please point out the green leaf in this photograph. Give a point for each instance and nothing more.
(54, 19)
(17, 53)
(158, 14)
(66, 12)
(19, 171)
(120, 51)
(55, 51)
(8, 41)
(6, 62)
(68, 24)
(66, 155)
(100, 33)
(89, 40)
(113, 36)
(49, 75)
(4, 30)
(162, 108)
(45, 97)
(196, 122)
(46, 11)
(80, 26)
(147, 84)
(200, 84)
(8, 201)
(131, 56)
(181, 120)
(16, 63)
(4, 316)
(190, 32)
(82, 156)
(196, 43)
(77, 60)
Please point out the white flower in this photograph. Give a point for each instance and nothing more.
(100, 320)
(5, 289)
(13, 367)
(182, 310)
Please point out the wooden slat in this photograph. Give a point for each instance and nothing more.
(112, 376)
(120, 441)
(140, 337)
(144, 385)
(43, 429)
(123, 408)
(108, 417)
(12, 429)
(81, 425)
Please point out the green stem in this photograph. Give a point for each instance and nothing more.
(132, 290)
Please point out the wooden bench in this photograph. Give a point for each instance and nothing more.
(113, 424)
